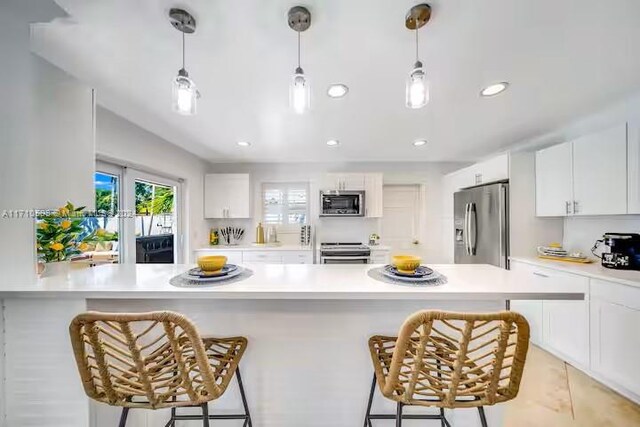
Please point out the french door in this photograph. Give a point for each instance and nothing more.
(154, 227)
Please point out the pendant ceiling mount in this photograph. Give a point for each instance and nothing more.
(182, 20)
(299, 18)
(418, 16)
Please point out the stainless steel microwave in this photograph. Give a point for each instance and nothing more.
(341, 203)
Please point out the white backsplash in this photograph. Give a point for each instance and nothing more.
(352, 230)
(580, 233)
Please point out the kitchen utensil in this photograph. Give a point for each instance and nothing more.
(272, 234)
(259, 233)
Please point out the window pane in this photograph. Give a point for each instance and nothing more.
(285, 203)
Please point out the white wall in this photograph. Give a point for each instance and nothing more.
(580, 233)
(122, 142)
(346, 229)
(46, 144)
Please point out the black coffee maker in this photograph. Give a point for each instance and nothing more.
(622, 251)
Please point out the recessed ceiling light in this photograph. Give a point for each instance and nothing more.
(244, 143)
(337, 90)
(333, 143)
(494, 89)
(419, 143)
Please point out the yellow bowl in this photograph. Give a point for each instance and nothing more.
(406, 263)
(212, 263)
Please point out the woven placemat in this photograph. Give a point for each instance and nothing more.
(435, 279)
(185, 281)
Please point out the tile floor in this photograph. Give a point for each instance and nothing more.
(555, 394)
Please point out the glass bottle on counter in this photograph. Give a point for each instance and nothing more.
(214, 238)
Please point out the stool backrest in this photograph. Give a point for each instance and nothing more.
(147, 360)
(459, 359)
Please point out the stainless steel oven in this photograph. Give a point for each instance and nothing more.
(344, 253)
(341, 203)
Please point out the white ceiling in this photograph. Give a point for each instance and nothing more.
(563, 58)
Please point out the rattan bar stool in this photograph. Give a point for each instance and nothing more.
(449, 360)
(155, 360)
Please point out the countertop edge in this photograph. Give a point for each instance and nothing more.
(586, 270)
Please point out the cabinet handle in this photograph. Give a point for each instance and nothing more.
(568, 207)
(576, 206)
(540, 275)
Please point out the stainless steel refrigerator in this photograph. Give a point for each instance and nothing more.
(481, 224)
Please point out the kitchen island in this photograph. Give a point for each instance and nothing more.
(307, 363)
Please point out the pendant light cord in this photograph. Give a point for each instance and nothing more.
(298, 49)
(417, 44)
(183, 50)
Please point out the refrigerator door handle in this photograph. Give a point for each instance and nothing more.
(465, 229)
(501, 222)
(473, 228)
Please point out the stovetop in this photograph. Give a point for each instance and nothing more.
(340, 246)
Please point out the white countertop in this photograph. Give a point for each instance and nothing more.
(292, 281)
(247, 248)
(594, 270)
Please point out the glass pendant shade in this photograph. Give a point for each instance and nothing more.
(299, 92)
(417, 88)
(184, 94)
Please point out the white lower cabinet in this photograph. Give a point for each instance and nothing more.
(271, 256)
(561, 327)
(615, 334)
(599, 335)
(380, 256)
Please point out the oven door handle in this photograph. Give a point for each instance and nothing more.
(347, 258)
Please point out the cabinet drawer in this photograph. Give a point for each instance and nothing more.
(568, 281)
(263, 256)
(293, 257)
(616, 293)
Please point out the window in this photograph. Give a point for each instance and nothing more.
(285, 203)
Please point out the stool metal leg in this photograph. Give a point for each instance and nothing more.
(205, 414)
(247, 421)
(367, 420)
(123, 417)
(483, 418)
(399, 415)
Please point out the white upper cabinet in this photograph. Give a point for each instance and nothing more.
(227, 196)
(373, 183)
(587, 176)
(494, 169)
(633, 181)
(600, 173)
(554, 177)
(344, 181)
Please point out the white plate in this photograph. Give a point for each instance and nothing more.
(227, 276)
(431, 277)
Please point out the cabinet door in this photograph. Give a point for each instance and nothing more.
(600, 172)
(353, 181)
(615, 341)
(633, 181)
(373, 195)
(297, 257)
(238, 196)
(262, 257)
(379, 257)
(215, 196)
(494, 169)
(532, 311)
(566, 330)
(554, 193)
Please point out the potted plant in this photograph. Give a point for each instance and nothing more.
(62, 235)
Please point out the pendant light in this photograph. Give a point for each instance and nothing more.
(417, 83)
(299, 19)
(184, 91)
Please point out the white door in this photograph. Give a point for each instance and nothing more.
(554, 192)
(600, 173)
(566, 329)
(239, 196)
(633, 181)
(401, 220)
